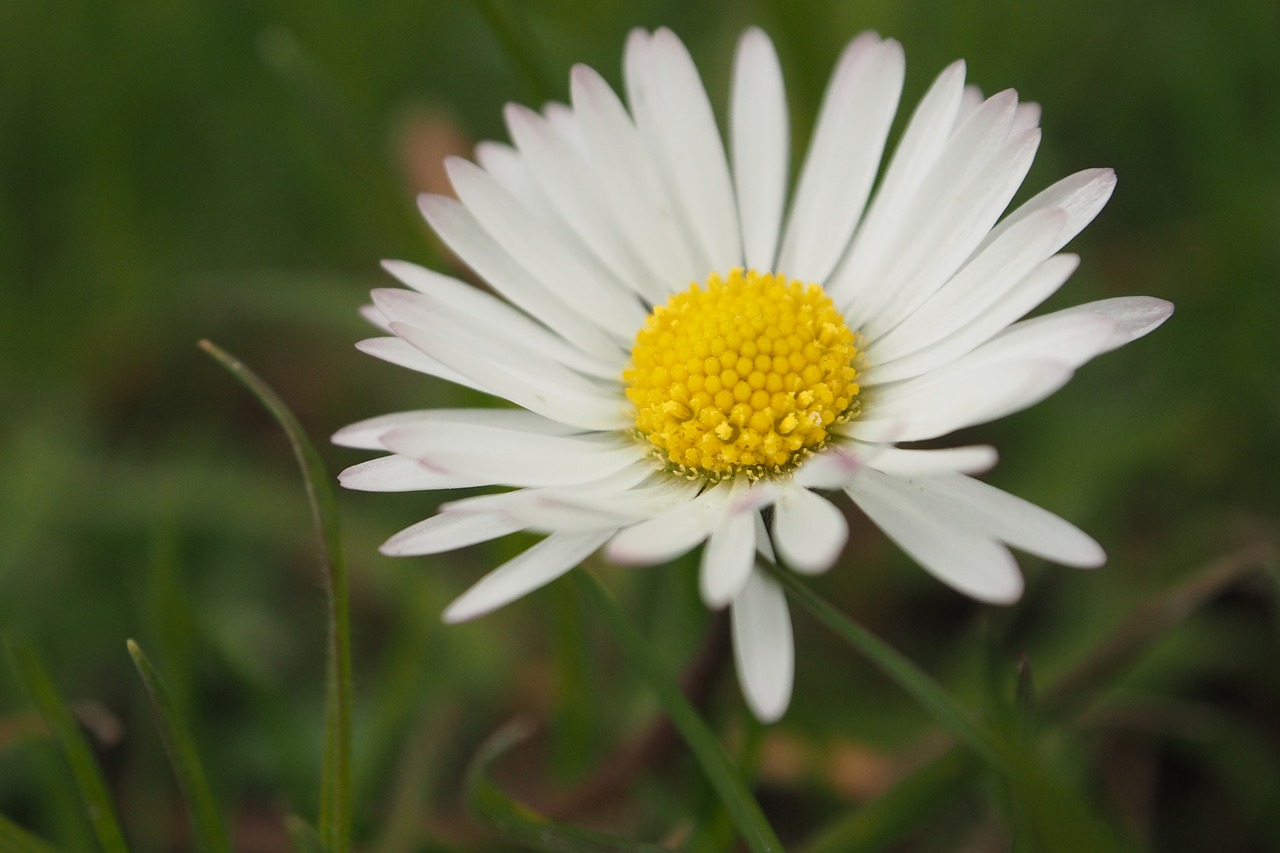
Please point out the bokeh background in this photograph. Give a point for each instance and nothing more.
(172, 170)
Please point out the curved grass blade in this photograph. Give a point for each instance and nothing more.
(335, 781)
(84, 768)
(921, 687)
(206, 820)
(15, 839)
(738, 802)
(518, 823)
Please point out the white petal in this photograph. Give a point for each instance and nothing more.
(497, 338)
(922, 142)
(401, 352)
(909, 462)
(763, 546)
(760, 139)
(509, 169)
(763, 646)
(630, 180)
(1030, 291)
(400, 474)
(970, 101)
(808, 530)
(448, 531)
(561, 117)
(544, 515)
(567, 179)
(956, 219)
(951, 548)
(608, 490)
(952, 206)
(374, 317)
(833, 468)
(589, 289)
(958, 396)
(588, 508)
(1071, 336)
(1081, 196)
(460, 231)
(437, 328)
(536, 567)
(674, 114)
(570, 405)
(729, 555)
(497, 318)
(843, 158)
(1129, 317)
(981, 282)
(367, 434)
(1020, 523)
(494, 455)
(672, 533)
(1027, 117)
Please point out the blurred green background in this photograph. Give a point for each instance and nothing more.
(172, 170)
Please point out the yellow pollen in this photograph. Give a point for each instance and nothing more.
(746, 374)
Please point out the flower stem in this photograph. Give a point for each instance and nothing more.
(743, 810)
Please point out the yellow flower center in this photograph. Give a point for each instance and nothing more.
(745, 375)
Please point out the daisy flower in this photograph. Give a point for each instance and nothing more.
(691, 351)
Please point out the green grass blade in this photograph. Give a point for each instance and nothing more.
(1153, 620)
(888, 818)
(1051, 816)
(15, 839)
(918, 684)
(335, 782)
(576, 710)
(303, 835)
(513, 35)
(84, 767)
(520, 824)
(206, 819)
(738, 802)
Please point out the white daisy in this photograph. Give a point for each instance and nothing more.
(685, 350)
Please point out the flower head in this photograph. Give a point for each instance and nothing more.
(685, 349)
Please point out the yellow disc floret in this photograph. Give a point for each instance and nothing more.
(745, 375)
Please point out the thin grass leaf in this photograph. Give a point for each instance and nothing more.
(15, 839)
(891, 816)
(738, 802)
(713, 830)
(1071, 694)
(927, 692)
(513, 35)
(94, 794)
(576, 708)
(1050, 816)
(335, 781)
(1025, 700)
(402, 829)
(206, 819)
(520, 824)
